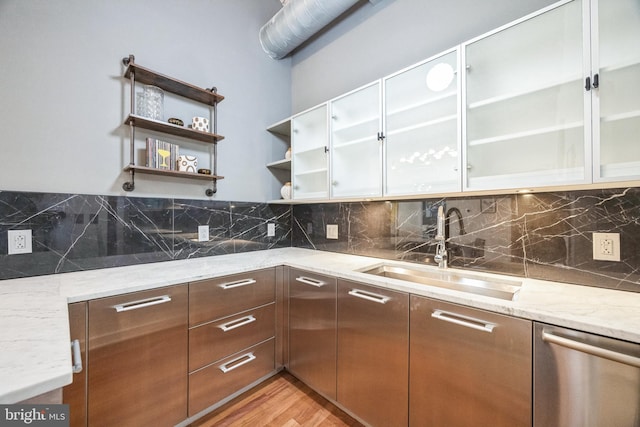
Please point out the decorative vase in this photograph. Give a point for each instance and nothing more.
(287, 155)
(285, 191)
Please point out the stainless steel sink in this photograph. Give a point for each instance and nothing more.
(496, 288)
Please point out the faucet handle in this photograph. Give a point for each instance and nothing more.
(440, 234)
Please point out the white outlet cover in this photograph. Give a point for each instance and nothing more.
(271, 229)
(203, 233)
(332, 231)
(606, 246)
(19, 242)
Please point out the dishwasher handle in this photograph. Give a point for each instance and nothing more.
(465, 321)
(591, 349)
(76, 357)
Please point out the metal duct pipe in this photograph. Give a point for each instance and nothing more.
(296, 22)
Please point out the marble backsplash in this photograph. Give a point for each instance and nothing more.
(80, 232)
(537, 235)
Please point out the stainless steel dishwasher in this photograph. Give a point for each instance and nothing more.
(584, 380)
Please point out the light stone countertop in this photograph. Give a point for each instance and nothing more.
(34, 334)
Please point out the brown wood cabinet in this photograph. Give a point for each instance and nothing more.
(232, 335)
(312, 330)
(137, 358)
(373, 353)
(75, 394)
(469, 366)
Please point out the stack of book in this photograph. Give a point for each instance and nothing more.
(162, 154)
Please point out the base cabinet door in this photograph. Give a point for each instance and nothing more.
(75, 394)
(468, 367)
(373, 353)
(137, 370)
(312, 330)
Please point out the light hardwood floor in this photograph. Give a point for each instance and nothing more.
(281, 401)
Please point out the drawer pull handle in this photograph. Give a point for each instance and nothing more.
(134, 305)
(229, 326)
(310, 281)
(592, 349)
(369, 296)
(468, 322)
(237, 284)
(76, 357)
(237, 362)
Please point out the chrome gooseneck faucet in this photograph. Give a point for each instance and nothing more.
(441, 248)
(442, 232)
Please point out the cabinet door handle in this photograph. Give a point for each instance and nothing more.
(134, 305)
(237, 284)
(76, 357)
(369, 296)
(596, 81)
(468, 322)
(237, 362)
(592, 349)
(310, 281)
(236, 323)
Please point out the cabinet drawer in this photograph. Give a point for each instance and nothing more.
(224, 296)
(138, 315)
(219, 380)
(215, 340)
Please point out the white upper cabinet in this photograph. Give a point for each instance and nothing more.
(552, 99)
(356, 149)
(616, 99)
(525, 103)
(309, 136)
(422, 128)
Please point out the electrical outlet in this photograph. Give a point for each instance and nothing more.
(332, 231)
(203, 233)
(271, 229)
(19, 242)
(606, 246)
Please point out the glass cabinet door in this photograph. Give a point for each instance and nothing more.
(309, 139)
(422, 142)
(356, 152)
(525, 104)
(617, 97)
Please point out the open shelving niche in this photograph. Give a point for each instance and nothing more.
(138, 74)
(281, 169)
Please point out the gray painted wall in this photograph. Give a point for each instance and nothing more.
(63, 100)
(376, 40)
